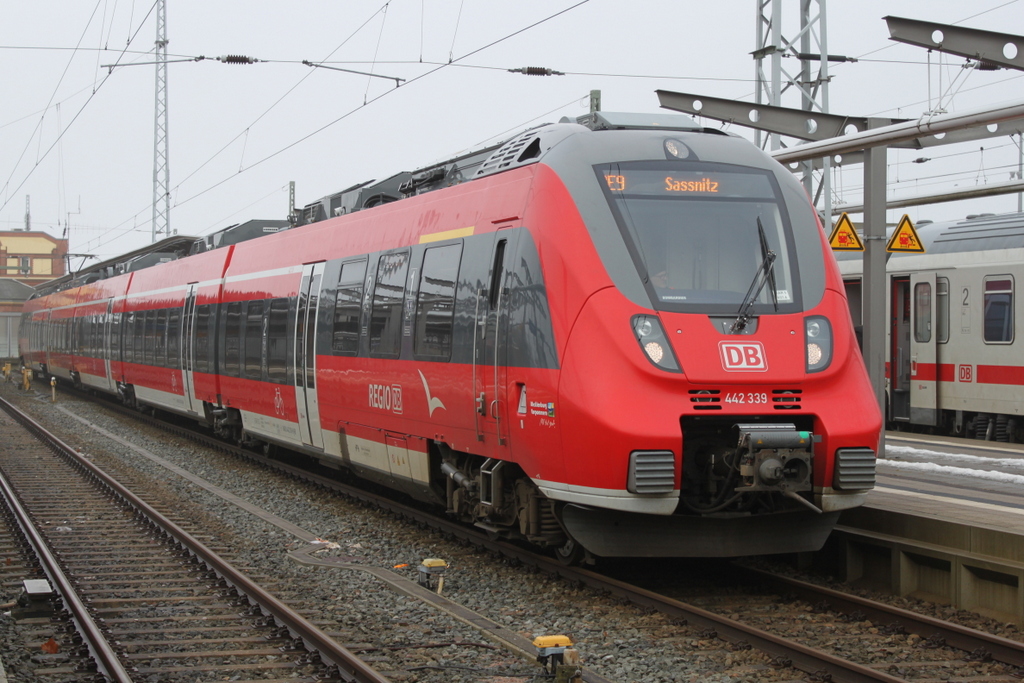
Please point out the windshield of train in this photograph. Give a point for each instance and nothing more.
(693, 231)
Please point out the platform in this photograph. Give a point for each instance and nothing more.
(938, 537)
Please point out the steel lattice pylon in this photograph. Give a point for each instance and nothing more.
(808, 46)
(161, 167)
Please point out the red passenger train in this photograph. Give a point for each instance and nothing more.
(624, 335)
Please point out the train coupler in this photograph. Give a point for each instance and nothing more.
(775, 457)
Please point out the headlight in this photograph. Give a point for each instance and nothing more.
(818, 342)
(651, 337)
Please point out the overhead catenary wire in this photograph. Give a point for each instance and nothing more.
(344, 116)
(63, 131)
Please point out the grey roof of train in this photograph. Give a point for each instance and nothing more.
(982, 232)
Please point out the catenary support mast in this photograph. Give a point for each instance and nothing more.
(161, 169)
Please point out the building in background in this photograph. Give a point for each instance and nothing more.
(32, 257)
(26, 259)
(12, 295)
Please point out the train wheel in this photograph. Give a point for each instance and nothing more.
(569, 553)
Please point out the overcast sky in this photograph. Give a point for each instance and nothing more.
(239, 133)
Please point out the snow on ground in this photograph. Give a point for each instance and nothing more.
(907, 459)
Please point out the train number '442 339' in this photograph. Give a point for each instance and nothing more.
(748, 397)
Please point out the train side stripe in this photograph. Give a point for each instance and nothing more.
(981, 374)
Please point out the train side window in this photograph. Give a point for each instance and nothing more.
(254, 340)
(140, 328)
(923, 312)
(160, 339)
(201, 346)
(129, 337)
(942, 310)
(999, 309)
(496, 274)
(174, 337)
(435, 302)
(277, 341)
(232, 328)
(386, 315)
(346, 311)
(115, 336)
(149, 337)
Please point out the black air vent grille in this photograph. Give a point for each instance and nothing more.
(706, 399)
(786, 399)
(855, 469)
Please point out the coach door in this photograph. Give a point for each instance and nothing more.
(490, 345)
(924, 375)
(187, 346)
(110, 346)
(305, 355)
(899, 360)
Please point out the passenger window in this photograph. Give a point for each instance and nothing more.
(254, 340)
(999, 309)
(160, 339)
(277, 341)
(129, 337)
(174, 338)
(386, 315)
(232, 328)
(139, 332)
(942, 310)
(346, 311)
(115, 335)
(149, 338)
(202, 342)
(435, 303)
(923, 312)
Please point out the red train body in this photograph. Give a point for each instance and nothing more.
(561, 339)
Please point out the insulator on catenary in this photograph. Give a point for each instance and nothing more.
(236, 59)
(537, 71)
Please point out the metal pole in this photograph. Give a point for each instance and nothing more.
(874, 280)
(1020, 169)
(161, 166)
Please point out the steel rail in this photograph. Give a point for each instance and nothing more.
(103, 654)
(963, 638)
(799, 656)
(350, 667)
(804, 658)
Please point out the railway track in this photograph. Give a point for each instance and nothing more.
(904, 645)
(127, 574)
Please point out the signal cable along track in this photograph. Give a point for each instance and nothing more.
(143, 579)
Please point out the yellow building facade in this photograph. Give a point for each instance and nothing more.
(32, 257)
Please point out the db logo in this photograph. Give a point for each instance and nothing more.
(965, 373)
(743, 356)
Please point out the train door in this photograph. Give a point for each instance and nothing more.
(490, 345)
(899, 360)
(187, 348)
(924, 375)
(109, 346)
(305, 355)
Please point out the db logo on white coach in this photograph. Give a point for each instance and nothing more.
(743, 356)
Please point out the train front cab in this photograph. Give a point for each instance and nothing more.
(698, 219)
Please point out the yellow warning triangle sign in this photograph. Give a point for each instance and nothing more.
(904, 238)
(844, 237)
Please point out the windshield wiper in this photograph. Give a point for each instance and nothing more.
(765, 275)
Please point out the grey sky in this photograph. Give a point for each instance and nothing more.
(239, 133)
